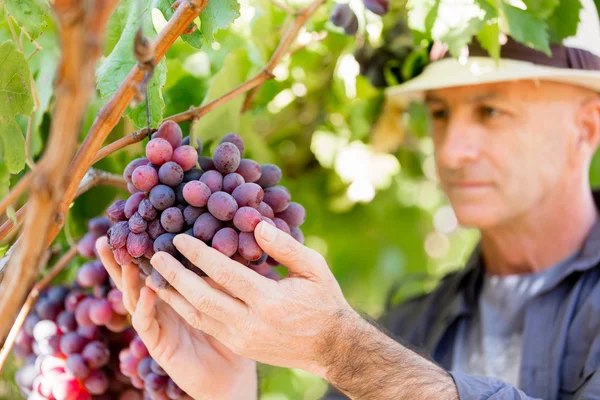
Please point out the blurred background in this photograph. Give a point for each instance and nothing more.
(362, 167)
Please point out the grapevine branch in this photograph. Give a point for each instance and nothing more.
(15, 193)
(31, 299)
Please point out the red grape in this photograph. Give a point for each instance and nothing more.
(137, 224)
(116, 212)
(206, 163)
(159, 280)
(172, 220)
(122, 256)
(205, 227)
(115, 298)
(143, 367)
(155, 382)
(186, 157)
(144, 178)
(192, 175)
(98, 226)
(97, 382)
(248, 247)
(231, 181)
(170, 174)
(227, 157)
(269, 221)
(71, 343)
(82, 312)
(271, 175)
(265, 210)
(190, 214)
(246, 219)
(226, 241)
(222, 206)
(165, 243)
(379, 7)
(131, 188)
(248, 194)
(294, 215)
(238, 257)
(128, 172)
(133, 202)
(277, 197)
(138, 348)
(48, 309)
(30, 322)
(77, 366)
(187, 141)
(173, 391)
(155, 229)
(66, 321)
(73, 298)
(162, 197)
(159, 151)
(250, 170)
(87, 245)
(171, 132)
(212, 179)
(101, 312)
(236, 140)
(96, 354)
(91, 274)
(117, 235)
(196, 193)
(281, 225)
(138, 243)
(298, 235)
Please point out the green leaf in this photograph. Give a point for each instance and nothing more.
(11, 214)
(527, 29)
(458, 38)
(13, 143)
(541, 8)
(563, 23)
(15, 84)
(489, 38)
(218, 14)
(422, 15)
(29, 14)
(157, 103)
(44, 85)
(4, 179)
(597, 2)
(194, 39)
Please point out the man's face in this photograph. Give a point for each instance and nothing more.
(501, 148)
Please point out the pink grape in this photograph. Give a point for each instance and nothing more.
(248, 247)
(82, 312)
(138, 348)
(73, 298)
(138, 243)
(131, 188)
(190, 214)
(91, 332)
(144, 178)
(122, 256)
(236, 140)
(206, 226)
(238, 257)
(261, 260)
(248, 194)
(226, 241)
(100, 312)
(143, 368)
(170, 174)
(118, 323)
(66, 321)
(281, 225)
(137, 224)
(269, 221)
(115, 298)
(222, 206)
(116, 212)
(172, 220)
(98, 226)
(171, 132)
(155, 229)
(173, 391)
(128, 172)
(159, 151)
(187, 141)
(133, 202)
(206, 163)
(294, 215)
(147, 210)
(117, 235)
(165, 243)
(47, 309)
(71, 343)
(271, 175)
(277, 197)
(30, 322)
(96, 354)
(65, 388)
(250, 170)
(196, 193)
(379, 7)
(97, 382)
(227, 157)
(155, 382)
(186, 156)
(162, 197)
(159, 280)
(192, 175)
(212, 179)
(246, 219)
(25, 341)
(77, 366)
(87, 245)
(231, 181)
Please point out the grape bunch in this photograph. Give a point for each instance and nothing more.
(145, 373)
(72, 338)
(219, 200)
(343, 16)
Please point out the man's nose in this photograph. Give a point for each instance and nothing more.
(458, 145)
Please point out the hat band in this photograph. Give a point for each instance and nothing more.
(562, 56)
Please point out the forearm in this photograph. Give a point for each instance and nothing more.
(362, 362)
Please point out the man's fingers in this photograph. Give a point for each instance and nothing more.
(299, 259)
(144, 319)
(132, 284)
(106, 256)
(237, 279)
(196, 291)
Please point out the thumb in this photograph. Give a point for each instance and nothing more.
(299, 259)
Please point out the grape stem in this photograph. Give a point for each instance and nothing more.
(30, 302)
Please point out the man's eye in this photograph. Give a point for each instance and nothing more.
(439, 114)
(489, 112)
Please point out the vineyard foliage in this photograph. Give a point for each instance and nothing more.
(362, 167)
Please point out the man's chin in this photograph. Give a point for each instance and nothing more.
(476, 216)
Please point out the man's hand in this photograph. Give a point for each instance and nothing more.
(283, 323)
(198, 363)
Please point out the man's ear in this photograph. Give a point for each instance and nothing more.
(588, 124)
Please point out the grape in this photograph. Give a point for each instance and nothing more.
(192, 175)
(187, 141)
(138, 243)
(100, 312)
(265, 210)
(116, 212)
(146, 210)
(73, 299)
(179, 194)
(131, 188)
(82, 312)
(281, 225)
(76, 366)
(238, 257)
(171, 132)
(115, 298)
(159, 280)
(26, 375)
(155, 382)
(47, 309)
(236, 140)
(250, 170)
(117, 235)
(71, 343)
(90, 332)
(133, 202)
(269, 221)
(145, 265)
(118, 323)
(190, 214)
(96, 382)
(101, 291)
(144, 178)
(30, 322)
(298, 235)
(128, 172)
(156, 368)
(91, 274)
(98, 226)
(222, 206)
(212, 179)
(261, 260)
(277, 197)
(87, 245)
(50, 346)
(196, 193)
(173, 391)
(227, 157)
(226, 241)
(231, 181)
(246, 219)
(137, 224)
(162, 197)
(66, 321)
(66, 388)
(24, 341)
(165, 243)
(248, 247)
(138, 348)
(206, 163)
(56, 294)
(96, 354)
(352, 28)
(159, 151)
(271, 175)
(155, 229)
(186, 157)
(248, 194)
(342, 15)
(51, 363)
(379, 7)
(206, 226)
(143, 367)
(170, 174)
(172, 220)
(294, 215)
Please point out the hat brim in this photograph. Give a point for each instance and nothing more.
(451, 72)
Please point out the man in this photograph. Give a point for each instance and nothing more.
(513, 147)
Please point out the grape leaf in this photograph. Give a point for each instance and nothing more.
(13, 143)
(541, 8)
(157, 103)
(44, 85)
(218, 14)
(597, 2)
(29, 14)
(4, 179)
(458, 38)
(527, 28)
(194, 39)
(422, 15)
(15, 85)
(489, 39)
(563, 23)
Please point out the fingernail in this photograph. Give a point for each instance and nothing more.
(267, 231)
(156, 258)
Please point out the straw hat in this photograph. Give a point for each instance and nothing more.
(576, 61)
